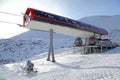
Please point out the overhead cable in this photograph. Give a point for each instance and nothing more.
(12, 23)
(11, 14)
(8, 22)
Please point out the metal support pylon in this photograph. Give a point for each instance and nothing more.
(51, 49)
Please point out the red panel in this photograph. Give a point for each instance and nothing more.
(28, 11)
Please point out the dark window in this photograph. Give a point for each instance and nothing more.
(50, 16)
(79, 23)
(74, 22)
(60, 18)
(36, 13)
(66, 20)
(41, 13)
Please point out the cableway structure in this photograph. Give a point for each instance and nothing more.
(41, 20)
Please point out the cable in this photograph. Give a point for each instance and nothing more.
(12, 23)
(11, 14)
(8, 22)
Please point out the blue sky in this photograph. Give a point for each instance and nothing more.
(74, 9)
(71, 8)
(82, 8)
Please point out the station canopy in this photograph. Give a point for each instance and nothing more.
(41, 20)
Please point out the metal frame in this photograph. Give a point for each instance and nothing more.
(51, 49)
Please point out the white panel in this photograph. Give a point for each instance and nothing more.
(59, 29)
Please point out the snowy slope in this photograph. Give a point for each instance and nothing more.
(22, 49)
(115, 35)
(110, 23)
(106, 22)
(36, 42)
(30, 44)
(69, 66)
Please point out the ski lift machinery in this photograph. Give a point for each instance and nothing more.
(41, 20)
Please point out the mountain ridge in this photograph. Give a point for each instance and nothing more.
(110, 23)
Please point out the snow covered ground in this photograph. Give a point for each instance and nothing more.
(68, 66)
(23, 49)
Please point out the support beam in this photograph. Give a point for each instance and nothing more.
(101, 49)
(51, 49)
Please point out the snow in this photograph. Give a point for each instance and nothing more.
(70, 63)
(69, 66)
